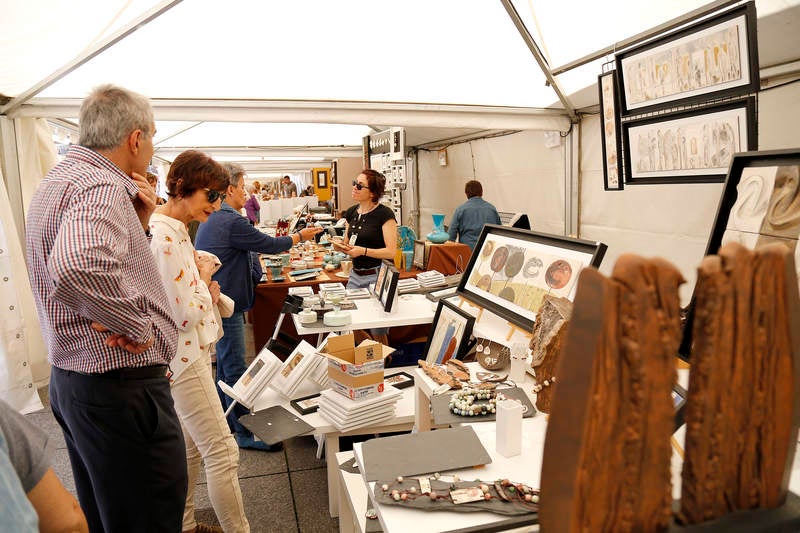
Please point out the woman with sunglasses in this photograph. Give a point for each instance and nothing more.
(195, 187)
(371, 233)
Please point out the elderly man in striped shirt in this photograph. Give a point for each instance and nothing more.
(106, 320)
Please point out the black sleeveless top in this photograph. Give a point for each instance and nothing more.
(368, 230)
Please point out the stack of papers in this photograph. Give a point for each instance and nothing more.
(302, 291)
(332, 288)
(407, 285)
(346, 414)
(432, 278)
(357, 294)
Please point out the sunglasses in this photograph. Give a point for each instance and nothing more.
(214, 195)
(359, 186)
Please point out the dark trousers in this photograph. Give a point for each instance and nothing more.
(230, 367)
(126, 450)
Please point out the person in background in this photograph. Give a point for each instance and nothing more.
(288, 188)
(371, 234)
(152, 179)
(470, 217)
(229, 236)
(252, 207)
(32, 498)
(196, 186)
(107, 320)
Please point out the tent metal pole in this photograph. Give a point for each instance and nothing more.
(87, 55)
(540, 59)
(9, 160)
(645, 35)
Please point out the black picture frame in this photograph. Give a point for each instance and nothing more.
(441, 339)
(611, 133)
(685, 52)
(399, 380)
(678, 141)
(420, 261)
(756, 173)
(322, 179)
(380, 280)
(388, 295)
(304, 406)
(555, 249)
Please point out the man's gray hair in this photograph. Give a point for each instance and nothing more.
(110, 113)
(236, 172)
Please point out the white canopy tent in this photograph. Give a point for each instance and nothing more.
(285, 85)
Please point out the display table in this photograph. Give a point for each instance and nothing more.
(403, 421)
(269, 299)
(353, 497)
(449, 258)
(524, 468)
(272, 210)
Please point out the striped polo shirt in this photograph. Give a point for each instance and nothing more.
(90, 261)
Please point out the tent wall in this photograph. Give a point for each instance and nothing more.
(670, 221)
(518, 173)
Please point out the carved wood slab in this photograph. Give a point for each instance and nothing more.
(742, 408)
(606, 464)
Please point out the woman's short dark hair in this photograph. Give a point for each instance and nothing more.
(473, 188)
(376, 183)
(193, 170)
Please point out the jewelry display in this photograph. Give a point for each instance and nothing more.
(501, 496)
(463, 402)
(492, 355)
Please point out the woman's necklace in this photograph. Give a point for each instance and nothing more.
(362, 211)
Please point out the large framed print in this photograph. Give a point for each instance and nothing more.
(760, 204)
(693, 146)
(511, 270)
(714, 58)
(449, 334)
(610, 137)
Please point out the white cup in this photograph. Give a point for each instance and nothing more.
(347, 266)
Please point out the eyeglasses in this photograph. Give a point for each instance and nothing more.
(213, 195)
(359, 186)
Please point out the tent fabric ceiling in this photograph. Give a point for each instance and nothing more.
(356, 62)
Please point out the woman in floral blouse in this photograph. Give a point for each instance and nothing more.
(195, 186)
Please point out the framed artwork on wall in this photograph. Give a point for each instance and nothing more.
(610, 137)
(692, 146)
(714, 58)
(449, 334)
(760, 204)
(511, 270)
(322, 179)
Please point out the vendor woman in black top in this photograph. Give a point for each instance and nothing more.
(371, 234)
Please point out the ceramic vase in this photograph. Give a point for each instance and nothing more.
(438, 235)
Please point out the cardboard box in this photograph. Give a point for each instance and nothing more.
(355, 371)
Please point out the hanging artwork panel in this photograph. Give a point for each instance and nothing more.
(714, 58)
(610, 137)
(692, 146)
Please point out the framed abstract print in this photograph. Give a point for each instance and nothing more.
(610, 136)
(511, 270)
(693, 146)
(449, 334)
(714, 58)
(760, 205)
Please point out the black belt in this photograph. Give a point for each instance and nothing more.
(365, 271)
(142, 372)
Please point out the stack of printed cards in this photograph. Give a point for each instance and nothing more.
(302, 363)
(357, 294)
(431, 278)
(303, 291)
(263, 369)
(346, 414)
(407, 285)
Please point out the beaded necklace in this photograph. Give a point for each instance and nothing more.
(463, 402)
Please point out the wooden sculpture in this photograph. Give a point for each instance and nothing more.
(742, 408)
(549, 332)
(606, 463)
